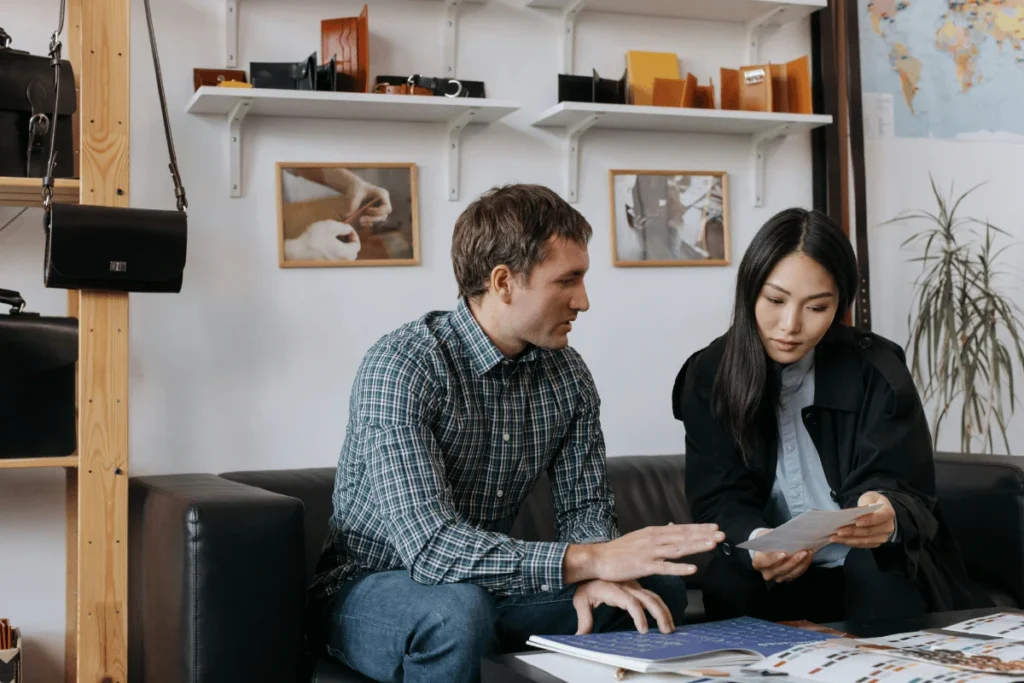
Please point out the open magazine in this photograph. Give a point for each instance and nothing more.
(732, 642)
(975, 651)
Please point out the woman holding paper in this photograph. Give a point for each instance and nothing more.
(792, 410)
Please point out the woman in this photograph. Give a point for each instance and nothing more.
(792, 410)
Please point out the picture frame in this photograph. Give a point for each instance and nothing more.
(669, 218)
(346, 214)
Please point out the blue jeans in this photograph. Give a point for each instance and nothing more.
(390, 628)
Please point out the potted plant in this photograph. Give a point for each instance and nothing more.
(965, 334)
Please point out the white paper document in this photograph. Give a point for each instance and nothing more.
(574, 670)
(1002, 625)
(986, 655)
(808, 531)
(836, 661)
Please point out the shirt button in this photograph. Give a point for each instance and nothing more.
(545, 587)
(505, 436)
(500, 493)
(789, 448)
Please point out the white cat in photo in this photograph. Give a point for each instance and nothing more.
(326, 240)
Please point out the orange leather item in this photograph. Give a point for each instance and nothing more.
(403, 89)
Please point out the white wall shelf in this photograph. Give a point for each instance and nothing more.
(757, 15)
(449, 34)
(235, 104)
(764, 130)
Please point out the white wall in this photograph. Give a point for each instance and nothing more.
(250, 366)
(897, 180)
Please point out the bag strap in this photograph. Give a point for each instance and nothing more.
(55, 50)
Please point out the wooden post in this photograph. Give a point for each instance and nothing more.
(73, 43)
(102, 649)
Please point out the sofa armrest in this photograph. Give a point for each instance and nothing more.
(982, 502)
(216, 587)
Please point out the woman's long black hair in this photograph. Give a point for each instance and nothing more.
(745, 390)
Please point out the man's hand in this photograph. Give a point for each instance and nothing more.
(645, 552)
(627, 595)
(378, 200)
(872, 530)
(355, 192)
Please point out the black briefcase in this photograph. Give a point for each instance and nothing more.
(26, 112)
(37, 386)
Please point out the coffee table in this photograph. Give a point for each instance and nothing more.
(509, 669)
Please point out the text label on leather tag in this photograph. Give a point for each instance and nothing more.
(118, 266)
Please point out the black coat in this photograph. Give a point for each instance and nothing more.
(871, 433)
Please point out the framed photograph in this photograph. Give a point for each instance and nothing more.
(342, 214)
(670, 218)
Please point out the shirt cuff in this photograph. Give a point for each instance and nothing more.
(753, 534)
(541, 569)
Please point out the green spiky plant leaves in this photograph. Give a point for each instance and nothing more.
(965, 334)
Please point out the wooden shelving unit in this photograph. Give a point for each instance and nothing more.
(96, 646)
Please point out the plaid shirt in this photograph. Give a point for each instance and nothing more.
(445, 439)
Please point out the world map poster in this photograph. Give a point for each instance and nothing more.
(950, 69)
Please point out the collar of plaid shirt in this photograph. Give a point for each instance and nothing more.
(483, 354)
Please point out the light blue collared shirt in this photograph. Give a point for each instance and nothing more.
(800, 483)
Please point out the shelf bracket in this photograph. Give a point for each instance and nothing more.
(235, 118)
(755, 34)
(572, 171)
(454, 150)
(449, 36)
(762, 146)
(569, 15)
(231, 37)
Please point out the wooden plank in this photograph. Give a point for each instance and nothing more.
(29, 191)
(32, 463)
(73, 32)
(103, 359)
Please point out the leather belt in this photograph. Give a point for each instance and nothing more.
(426, 85)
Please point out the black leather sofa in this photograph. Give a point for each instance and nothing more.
(218, 564)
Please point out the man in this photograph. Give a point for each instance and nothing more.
(452, 419)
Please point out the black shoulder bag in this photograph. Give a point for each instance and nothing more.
(114, 248)
(37, 386)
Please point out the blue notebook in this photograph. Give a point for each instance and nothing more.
(731, 642)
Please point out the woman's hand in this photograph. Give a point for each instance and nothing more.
(871, 530)
(782, 567)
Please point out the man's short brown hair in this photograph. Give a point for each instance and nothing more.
(511, 225)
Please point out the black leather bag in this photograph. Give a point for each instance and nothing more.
(110, 248)
(117, 248)
(37, 385)
(27, 111)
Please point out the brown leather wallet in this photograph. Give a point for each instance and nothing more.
(403, 89)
